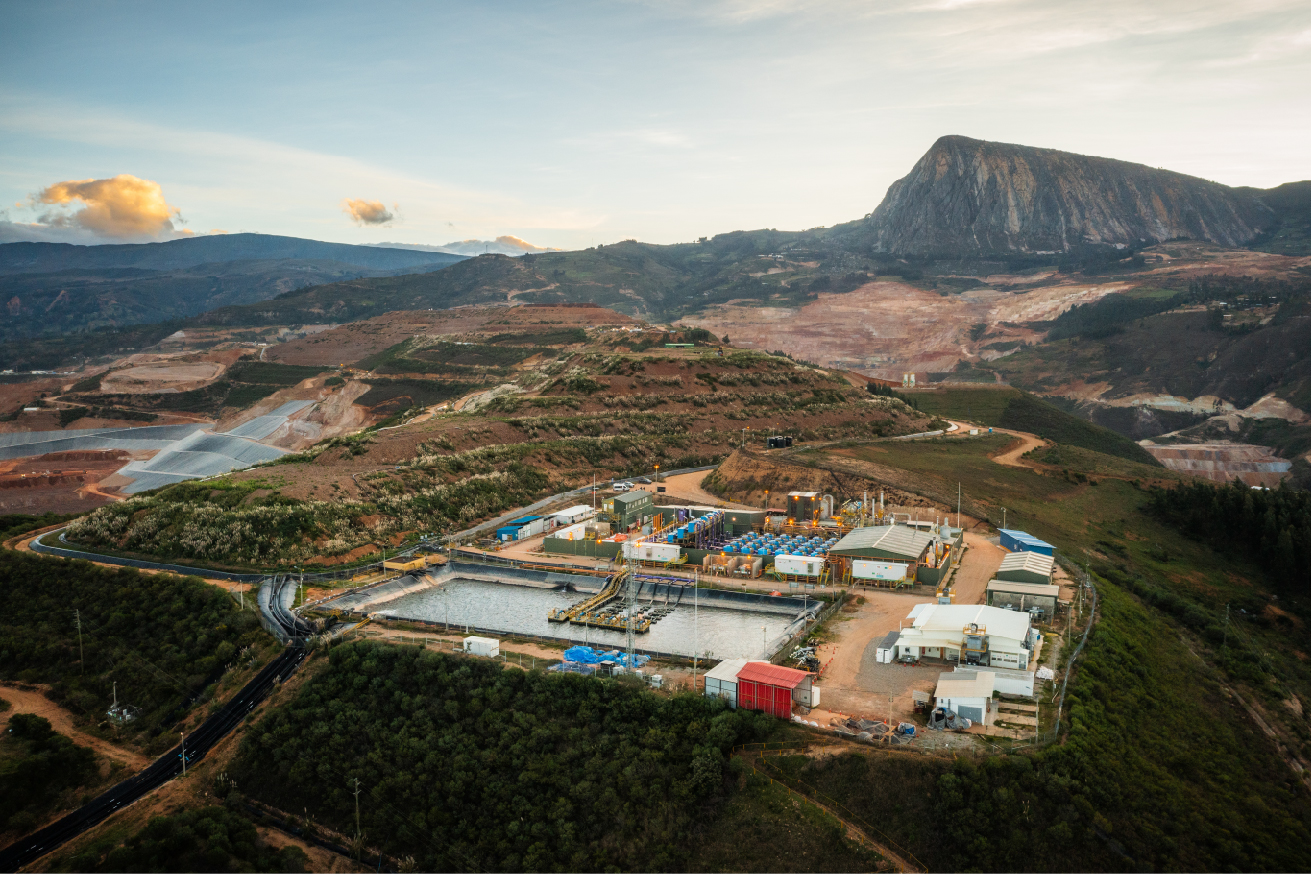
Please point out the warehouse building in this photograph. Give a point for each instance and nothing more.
(888, 554)
(521, 529)
(1025, 597)
(774, 689)
(1020, 541)
(1027, 567)
(970, 634)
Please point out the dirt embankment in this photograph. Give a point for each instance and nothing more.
(745, 476)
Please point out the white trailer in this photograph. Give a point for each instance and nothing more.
(891, 571)
(799, 565)
(657, 552)
(482, 646)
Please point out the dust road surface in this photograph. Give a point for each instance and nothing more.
(62, 722)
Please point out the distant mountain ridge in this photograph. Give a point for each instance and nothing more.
(213, 249)
(967, 197)
(502, 245)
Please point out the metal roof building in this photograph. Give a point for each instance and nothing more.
(1027, 567)
(721, 680)
(884, 541)
(1024, 596)
(773, 689)
(1021, 541)
(938, 631)
(970, 695)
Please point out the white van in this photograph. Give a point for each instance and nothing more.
(623, 487)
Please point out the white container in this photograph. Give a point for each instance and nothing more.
(660, 552)
(798, 565)
(482, 646)
(864, 569)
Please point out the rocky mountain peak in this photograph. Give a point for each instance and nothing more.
(968, 196)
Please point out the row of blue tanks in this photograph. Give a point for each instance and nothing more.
(784, 544)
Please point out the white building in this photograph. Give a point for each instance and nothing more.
(968, 633)
(570, 515)
(969, 694)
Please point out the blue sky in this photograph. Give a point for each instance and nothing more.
(577, 123)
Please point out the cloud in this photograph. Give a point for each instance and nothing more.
(368, 212)
(121, 208)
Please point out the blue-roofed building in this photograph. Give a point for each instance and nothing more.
(523, 528)
(1020, 541)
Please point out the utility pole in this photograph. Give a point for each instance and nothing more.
(696, 639)
(81, 662)
(1003, 517)
(1225, 643)
(357, 808)
(957, 504)
(184, 754)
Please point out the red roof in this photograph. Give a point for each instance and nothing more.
(773, 675)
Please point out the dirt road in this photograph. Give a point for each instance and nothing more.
(1013, 457)
(687, 486)
(978, 566)
(62, 721)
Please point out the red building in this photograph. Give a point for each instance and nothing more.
(762, 686)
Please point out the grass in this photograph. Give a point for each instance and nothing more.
(1020, 411)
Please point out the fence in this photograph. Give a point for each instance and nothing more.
(1085, 580)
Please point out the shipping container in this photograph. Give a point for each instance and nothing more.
(482, 646)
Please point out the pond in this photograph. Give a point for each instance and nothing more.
(712, 632)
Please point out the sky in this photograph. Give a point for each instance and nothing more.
(578, 123)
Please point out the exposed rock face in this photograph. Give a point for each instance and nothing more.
(971, 196)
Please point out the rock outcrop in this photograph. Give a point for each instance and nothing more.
(969, 196)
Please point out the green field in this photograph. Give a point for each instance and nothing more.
(1020, 411)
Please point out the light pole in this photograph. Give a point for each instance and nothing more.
(1003, 517)
(764, 645)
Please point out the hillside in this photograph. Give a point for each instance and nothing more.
(967, 196)
(561, 413)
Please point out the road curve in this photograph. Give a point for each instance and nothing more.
(165, 768)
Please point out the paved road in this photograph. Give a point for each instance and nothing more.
(165, 768)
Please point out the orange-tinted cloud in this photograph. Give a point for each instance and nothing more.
(124, 207)
(367, 212)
